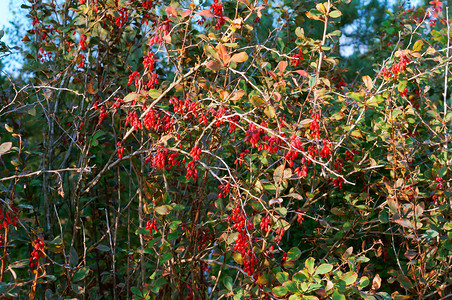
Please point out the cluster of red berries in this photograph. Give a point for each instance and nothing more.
(157, 122)
(37, 253)
(265, 224)
(314, 126)
(296, 146)
(82, 42)
(123, 16)
(41, 30)
(133, 120)
(300, 217)
(396, 69)
(337, 182)
(243, 241)
(161, 30)
(147, 4)
(186, 107)
(297, 58)
(350, 155)
(241, 157)
(149, 61)
(301, 171)
(325, 152)
(439, 185)
(7, 218)
(151, 225)
(224, 190)
(253, 134)
(203, 238)
(404, 93)
(195, 152)
(120, 150)
(217, 9)
(134, 77)
(279, 235)
(44, 56)
(163, 158)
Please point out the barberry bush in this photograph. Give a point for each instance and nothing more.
(159, 150)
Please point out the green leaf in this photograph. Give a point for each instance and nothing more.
(270, 111)
(418, 45)
(363, 282)
(323, 269)
(256, 100)
(312, 81)
(441, 172)
(163, 210)
(282, 277)
(335, 14)
(404, 281)
(154, 93)
(300, 277)
(299, 32)
(227, 281)
(280, 291)
(291, 286)
(136, 291)
(429, 234)
(309, 264)
(338, 296)
(139, 231)
(4, 147)
(130, 97)
(280, 43)
(80, 274)
(349, 278)
(293, 254)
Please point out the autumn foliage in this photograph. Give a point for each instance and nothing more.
(162, 150)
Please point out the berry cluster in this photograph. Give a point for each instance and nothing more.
(163, 158)
(6, 218)
(296, 146)
(120, 150)
(325, 152)
(123, 16)
(161, 30)
(195, 152)
(224, 190)
(37, 253)
(217, 9)
(300, 217)
(297, 58)
(133, 120)
(151, 226)
(265, 224)
(439, 185)
(396, 69)
(243, 241)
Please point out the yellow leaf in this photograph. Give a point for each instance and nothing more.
(368, 82)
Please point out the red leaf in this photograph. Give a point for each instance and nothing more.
(214, 66)
(282, 66)
(185, 13)
(223, 53)
(171, 12)
(237, 95)
(206, 13)
(302, 73)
